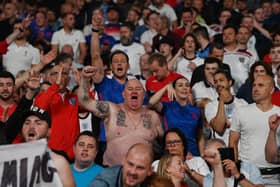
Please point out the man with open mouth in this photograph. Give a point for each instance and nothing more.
(126, 123)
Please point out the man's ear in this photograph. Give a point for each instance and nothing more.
(151, 171)
(230, 82)
(49, 133)
(272, 90)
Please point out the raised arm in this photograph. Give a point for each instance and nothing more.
(99, 108)
(171, 64)
(44, 60)
(218, 123)
(154, 101)
(262, 30)
(83, 50)
(212, 156)
(95, 52)
(271, 149)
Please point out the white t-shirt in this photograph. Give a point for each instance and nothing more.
(20, 57)
(183, 69)
(134, 52)
(147, 37)
(240, 64)
(200, 91)
(211, 110)
(252, 124)
(74, 39)
(166, 10)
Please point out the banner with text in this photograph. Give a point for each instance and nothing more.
(27, 165)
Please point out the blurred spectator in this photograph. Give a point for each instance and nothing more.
(132, 49)
(10, 12)
(165, 10)
(69, 35)
(21, 54)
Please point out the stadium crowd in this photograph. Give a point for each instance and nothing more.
(150, 93)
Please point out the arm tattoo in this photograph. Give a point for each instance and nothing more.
(86, 95)
(121, 118)
(147, 120)
(102, 107)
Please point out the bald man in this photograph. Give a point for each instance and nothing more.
(126, 123)
(135, 168)
(250, 127)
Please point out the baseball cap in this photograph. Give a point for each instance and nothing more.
(36, 111)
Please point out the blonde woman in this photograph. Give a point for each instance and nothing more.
(172, 167)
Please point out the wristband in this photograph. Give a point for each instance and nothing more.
(94, 30)
(240, 178)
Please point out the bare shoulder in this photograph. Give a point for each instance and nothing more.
(153, 113)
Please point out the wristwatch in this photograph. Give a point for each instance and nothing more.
(240, 178)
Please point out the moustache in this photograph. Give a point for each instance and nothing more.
(134, 176)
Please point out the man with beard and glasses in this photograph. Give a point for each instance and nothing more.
(126, 123)
(135, 168)
(7, 87)
(132, 49)
(21, 54)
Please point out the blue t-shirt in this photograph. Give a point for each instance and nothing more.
(83, 178)
(109, 90)
(204, 53)
(186, 118)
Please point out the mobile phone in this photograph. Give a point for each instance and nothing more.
(226, 153)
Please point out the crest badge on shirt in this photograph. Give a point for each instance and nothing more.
(72, 101)
(242, 59)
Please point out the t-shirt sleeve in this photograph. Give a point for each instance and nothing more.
(210, 112)
(82, 38)
(36, 56)
(54, 40)
(235, 124)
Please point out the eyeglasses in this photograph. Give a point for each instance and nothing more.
(173, 143)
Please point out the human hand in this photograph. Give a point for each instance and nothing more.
(230, 166)
(192, 66)
(27, 21)
(33, 81)
(212, 156)
(88, 72)
(274, 121)
(171, 92)
(49, 57)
